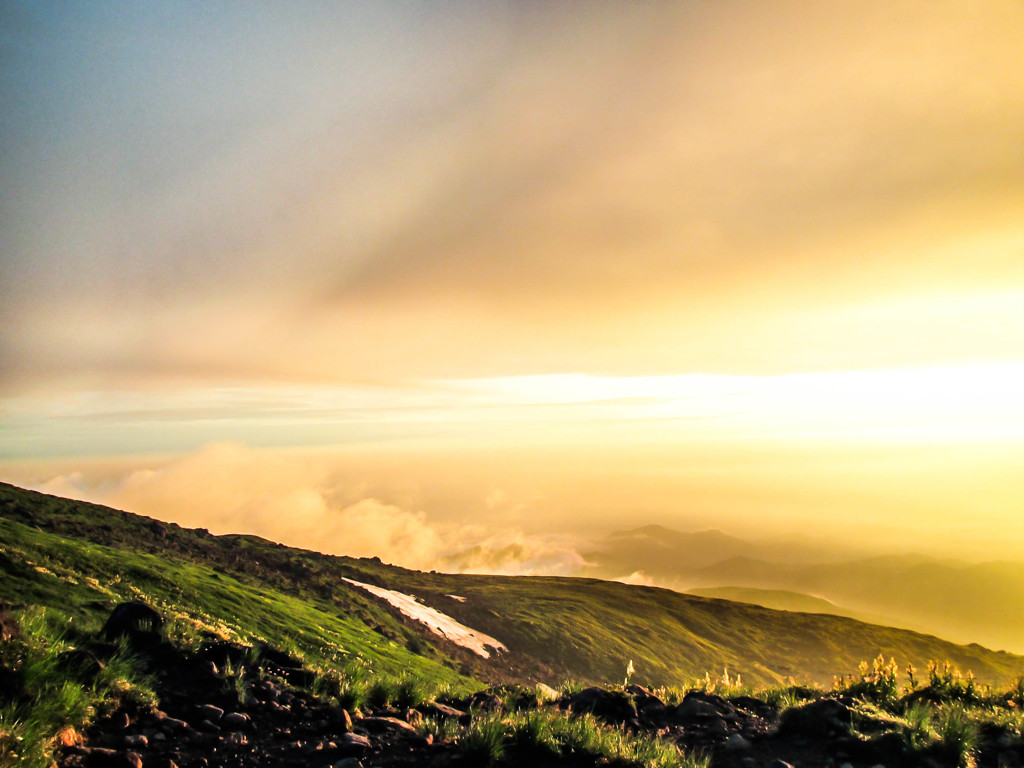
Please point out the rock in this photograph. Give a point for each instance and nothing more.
(266, 691)
(488, 701)
(751, 705)
(547, 692)
(9, 628)
(822, 718)
(696, 705)
(779, 764)
(111, 758)
(236, 739)
(223, 653)
(171, 724)
(236, 721)
(611, 706)
(441, 710)
(348, 762)
(413, 716)
(136, 741)
(69, 737)
(737, 743)
(354, 743)
(210, 712)
(134, 620)
(716, 727)
(383, 724)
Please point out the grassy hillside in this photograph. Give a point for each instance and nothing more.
(85, 557)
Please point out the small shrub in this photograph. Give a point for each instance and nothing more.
(352, 694)
(443, 729)
(532, 732)
(877, 683)
(947, 684)
(410, 692)
(381, 693)
(918, 729)
(958, 735)
(484, 741)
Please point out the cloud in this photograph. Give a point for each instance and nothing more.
(536, 189)
(307, 500)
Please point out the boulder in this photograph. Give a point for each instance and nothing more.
(354, 744)
(134, 620)
(485, 700)
(818, 719)
(386, 724)
(236, 721)
(614, 707)
(697, 706)
(440, 710)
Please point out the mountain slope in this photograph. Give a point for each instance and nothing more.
(784, 600)
(85, 556)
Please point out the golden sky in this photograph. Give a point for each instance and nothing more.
(779, 241)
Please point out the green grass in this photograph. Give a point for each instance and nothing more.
(48, 698)
(88, 578)
(523, 737)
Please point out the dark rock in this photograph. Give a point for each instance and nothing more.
(716, 727)
(236, 721)
(223, 653)
(9, 628)
(889, 746)
(384, 724)
(354, 744)
(697, 706)
(210, 712)
(610, 706)
(737, 743)
(818, 719)
(134, 620)
(779, 764)
(752, 705)
(487, 701)
(268, 653)
(441, 710)
(111, 758)
(341, 719)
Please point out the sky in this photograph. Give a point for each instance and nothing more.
(399, 278)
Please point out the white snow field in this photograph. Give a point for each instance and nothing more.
(437, 622)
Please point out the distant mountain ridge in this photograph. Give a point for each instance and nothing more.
(964, 602)
(82, 557)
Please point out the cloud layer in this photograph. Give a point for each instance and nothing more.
(379, 193)
(307, 500)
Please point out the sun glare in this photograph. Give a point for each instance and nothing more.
(949, 404)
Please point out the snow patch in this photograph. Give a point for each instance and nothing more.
(460, 598)
(437, 622)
